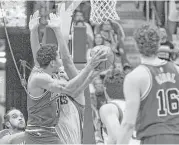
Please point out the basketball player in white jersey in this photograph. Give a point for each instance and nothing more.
(71, 110)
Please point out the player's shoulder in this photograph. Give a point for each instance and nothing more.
(120, 103)
(4, 132)
(37, 77)
(176, 66)
(137, 74)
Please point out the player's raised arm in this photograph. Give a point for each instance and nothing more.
(68, 64)
(132, 98)
(34, 37)
(45, 81)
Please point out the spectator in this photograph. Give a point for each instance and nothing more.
(127, 68)
(111, 25)
(106, 30)
(85, 7)
(173, 16)
(145, 8)
(118, 30)
(113, 36)
(100, 100)
(98, 40)
(166, 47)
(99, 92)
(158, 8)
(79, 17)
(81, 23)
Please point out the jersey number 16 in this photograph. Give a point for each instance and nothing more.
(168, 102)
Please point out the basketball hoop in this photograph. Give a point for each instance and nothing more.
(103, 10)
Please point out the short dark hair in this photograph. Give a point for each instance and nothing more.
(46, 54)
(147, 38)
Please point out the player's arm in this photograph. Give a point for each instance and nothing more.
(34, 37)
(68, 64)
(110, 118)
(132, 98)
(9, 139)
(46, 82)
(84, 85)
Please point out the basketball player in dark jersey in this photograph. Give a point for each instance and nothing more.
(49, 97)
(15, 124)
(151, 94)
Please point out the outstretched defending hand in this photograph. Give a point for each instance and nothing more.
(54, 21)
(34, 21)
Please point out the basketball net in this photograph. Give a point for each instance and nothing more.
(103, 10)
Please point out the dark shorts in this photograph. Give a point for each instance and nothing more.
(161, 139)
(42, 137)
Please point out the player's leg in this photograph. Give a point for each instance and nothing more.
(110, 116)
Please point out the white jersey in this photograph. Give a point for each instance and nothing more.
(70, 122)
(121, 107)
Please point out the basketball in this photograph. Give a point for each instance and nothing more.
(110, 56)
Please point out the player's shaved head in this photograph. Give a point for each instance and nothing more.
(148, 39)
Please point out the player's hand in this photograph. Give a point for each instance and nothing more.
(54, 22)
(99, 57)
(95, 73)
(34, 21)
